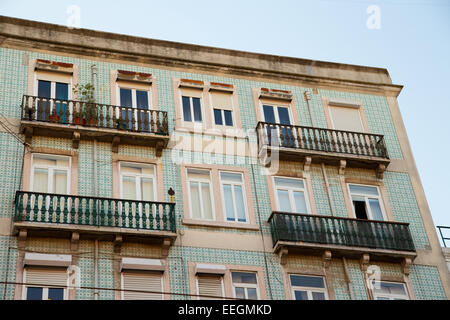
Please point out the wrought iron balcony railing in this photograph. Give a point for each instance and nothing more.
(71, 112)
(94, 211)
(321, 140)
(292, 227)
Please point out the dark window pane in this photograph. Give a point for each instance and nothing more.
(306, 281)
(34, 293)
(125, 97)
(240, 293)
(44, 89)
(187, 109)
(218, 116)
(269, 115)
(283, 114)
(62, 91)
(360, 209)
(55, 294)
(318, 296)
(228, 118)
(197, 110)
(301, 295)
(252, 294)
(142, 99)
(243, 277)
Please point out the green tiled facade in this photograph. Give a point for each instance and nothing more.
(426, 280)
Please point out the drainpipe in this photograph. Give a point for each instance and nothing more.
(307, 96)
(347, 278)
(330, 199)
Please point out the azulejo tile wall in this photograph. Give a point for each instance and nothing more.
(13, 75)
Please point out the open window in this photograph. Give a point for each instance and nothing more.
(367, 202)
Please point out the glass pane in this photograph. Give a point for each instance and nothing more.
(228, 118)
(129, 188)
(382, 298)
(231, 177)
(40, 180)
(390, 288)
(62, 91)
(240, 293)
(252, 294)
(206, 197)
(375, 209)
(187, 109)
(300, 295)
(142, 99)
(307, 281)
(55, 294)
(283, 114)
(228, 198)
(44, 89)
(218, 117)
(197, 110)
(243, 277)
(283, 201)
(125, 97)
(269, 115)
(195, 200)
(60, 181)
(147, 189)
(318, 296)
(366, 190)
(300, 202)
(289, 183)
(240, 207)
(34, 293)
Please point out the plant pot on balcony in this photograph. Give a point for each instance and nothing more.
(54, 118)
(79, 120)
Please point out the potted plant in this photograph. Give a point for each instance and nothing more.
(86, 113)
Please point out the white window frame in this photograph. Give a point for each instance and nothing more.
(291, 193)
(191, 104)
(221, 282)
(138, 177)
(133, 99)
(392, 296)
(275, 111)
(366, 200)
(44, 288)
(222, 113)
(122, 292)
(309, 290)
(245, 285)
(51, 169)
(242, 184)
(38, 76)
(200, 194)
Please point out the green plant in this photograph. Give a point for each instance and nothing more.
(85, 94)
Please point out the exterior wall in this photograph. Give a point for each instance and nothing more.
(403, 194)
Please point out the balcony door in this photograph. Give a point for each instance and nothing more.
(278, 114)
(135, 113)
(54, 96)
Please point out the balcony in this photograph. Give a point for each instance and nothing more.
(82, 120)
(291, 142)
(342, 236)
(57, 215)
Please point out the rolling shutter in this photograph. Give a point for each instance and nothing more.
(210, 286)
(346, 118)
(222, 100)
(144, 281)
(46, 277)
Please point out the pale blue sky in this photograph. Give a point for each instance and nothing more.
(413, 43)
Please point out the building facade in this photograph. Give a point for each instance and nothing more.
(135, 168)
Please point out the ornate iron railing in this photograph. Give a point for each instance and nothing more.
(94, 211)
(71, 112)
(320, 139)
(340, 231)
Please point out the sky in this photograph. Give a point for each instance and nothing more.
(411, 38)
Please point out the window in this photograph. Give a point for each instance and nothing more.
(45, 283)
(291, 195)
(138, 102)
(209, 285)
(58, 89)
(308, 287)
(137, 181)
(50, 174)
(346, 118)
(149, 283)
(223, 108)
(233, 196)
(367, 202)
(192, 105)
(245, 285)
(200, 195)
(383, 290)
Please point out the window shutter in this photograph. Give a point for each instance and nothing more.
(221, 100)
(346, 118)
(46, 277)
(145, 281)
(188, 92)
(210, 286)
